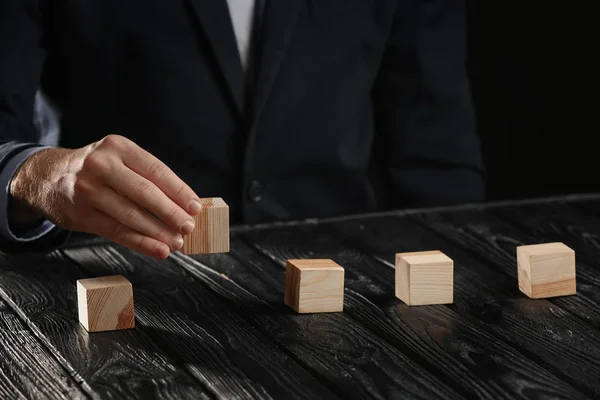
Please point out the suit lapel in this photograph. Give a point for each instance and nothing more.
(278, 21)
(215, 20)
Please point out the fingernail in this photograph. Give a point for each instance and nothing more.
(177, 243)
(162, 250)
(194, 206)
(187, 227)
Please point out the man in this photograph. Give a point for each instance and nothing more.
(288, 109)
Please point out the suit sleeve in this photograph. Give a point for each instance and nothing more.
(21, 55)
(428, 145)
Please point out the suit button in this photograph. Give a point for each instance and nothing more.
(255, 191)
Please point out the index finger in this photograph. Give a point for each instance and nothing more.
(151, 168)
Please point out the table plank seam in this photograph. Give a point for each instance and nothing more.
(61, 361)
(412, 357)
(22, 356)
(476, 324)
(158, 342)
(579, 197)
(538, 360)
(188, 262)
(582, 257)
(180, 260)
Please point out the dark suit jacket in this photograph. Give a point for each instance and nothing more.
(356, 105)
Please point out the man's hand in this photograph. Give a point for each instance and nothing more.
(112, 188)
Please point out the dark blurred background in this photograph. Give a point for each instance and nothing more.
(531, 82)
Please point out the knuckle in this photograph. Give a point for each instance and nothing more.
(114, 141)
(142, 188)
(140, 242)
(96, 162)
(162, 235)
(173, 213)
(157, 170)
(120, 232)
(84, 189)
(181, 190)
(131, 215)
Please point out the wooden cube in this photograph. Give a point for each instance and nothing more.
(425, 277)
(105, 303)
(211, 233)
(314, 286)
(546, 270)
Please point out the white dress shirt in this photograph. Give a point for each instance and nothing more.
(242, 17)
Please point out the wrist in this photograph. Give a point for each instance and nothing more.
(21, 222)
(22, 192)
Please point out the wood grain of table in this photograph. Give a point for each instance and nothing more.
(215, 326)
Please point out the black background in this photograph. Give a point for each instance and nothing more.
(531, 79)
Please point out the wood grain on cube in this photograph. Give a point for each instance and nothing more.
(425, 277)
(211, 233)
(105, 303)
(546, 270)
(313, 286)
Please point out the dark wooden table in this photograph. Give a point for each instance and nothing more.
(215, 326)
